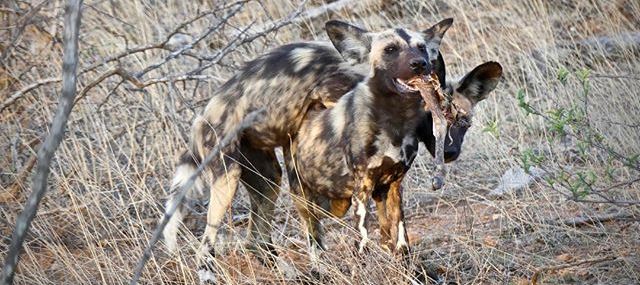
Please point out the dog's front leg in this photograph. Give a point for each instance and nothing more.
(360, 201)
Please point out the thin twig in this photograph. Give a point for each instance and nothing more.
(105, 14)
(155, 81)
(248, 121)
(21, 25)
(607, 200)
(536, 275)
(122, 54)
(69, 79)
(10, 192)
(623, 183)
(614, 76)
(114, 71)
(200, 16)
(583, 221)
(157, 45)
(635, 126)
(184, 50)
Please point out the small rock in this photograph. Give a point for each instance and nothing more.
(178, 41)
(565, 257)
(516, 179)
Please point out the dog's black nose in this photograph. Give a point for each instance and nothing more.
(418, 65)
(450, 155)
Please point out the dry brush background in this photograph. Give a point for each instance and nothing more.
(141, 83)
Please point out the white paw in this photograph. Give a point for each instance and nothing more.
(289, 271)
(206, 276)
(171, 243)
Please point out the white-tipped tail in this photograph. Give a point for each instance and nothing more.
(183, 172)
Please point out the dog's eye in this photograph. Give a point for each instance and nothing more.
(422, 48)
(390, 49)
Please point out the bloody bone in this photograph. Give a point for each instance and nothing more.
(439, 106)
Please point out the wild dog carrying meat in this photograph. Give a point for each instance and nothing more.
(362, 147)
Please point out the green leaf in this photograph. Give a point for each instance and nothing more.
(550, 180)
(557, 121)
(583, 74)
(522, 103)
(529, 158)
(591, 178)
(492, 128)
(562, 75)
(632, 161)
(582, 148)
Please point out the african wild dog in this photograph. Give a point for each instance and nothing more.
(363, 146)
(286, 82)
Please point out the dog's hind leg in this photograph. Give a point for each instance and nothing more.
(309, 214)
(261, 175)
(307, 210)
(304, 201)
(223, 186)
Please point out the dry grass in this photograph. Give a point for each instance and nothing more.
(115, 163)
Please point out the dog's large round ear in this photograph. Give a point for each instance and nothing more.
(437, 31)
(478, 83)
(352, 42)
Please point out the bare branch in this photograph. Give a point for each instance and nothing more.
(69, 78)
(114, 71)
(121, 55)
(192, 44)
(184, 50)
(315, 12)
(200, 16)
(155, 81)
(25, 90)
(161, 44)
(240, 40)
(615, 76)
(635, 126)
(325, 9)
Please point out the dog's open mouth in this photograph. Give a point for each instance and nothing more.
(405, 86)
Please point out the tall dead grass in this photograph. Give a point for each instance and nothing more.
(115, 163)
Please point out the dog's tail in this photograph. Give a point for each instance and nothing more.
(187, 166)
(221, 117)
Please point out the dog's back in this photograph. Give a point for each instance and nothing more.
(285, 82)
